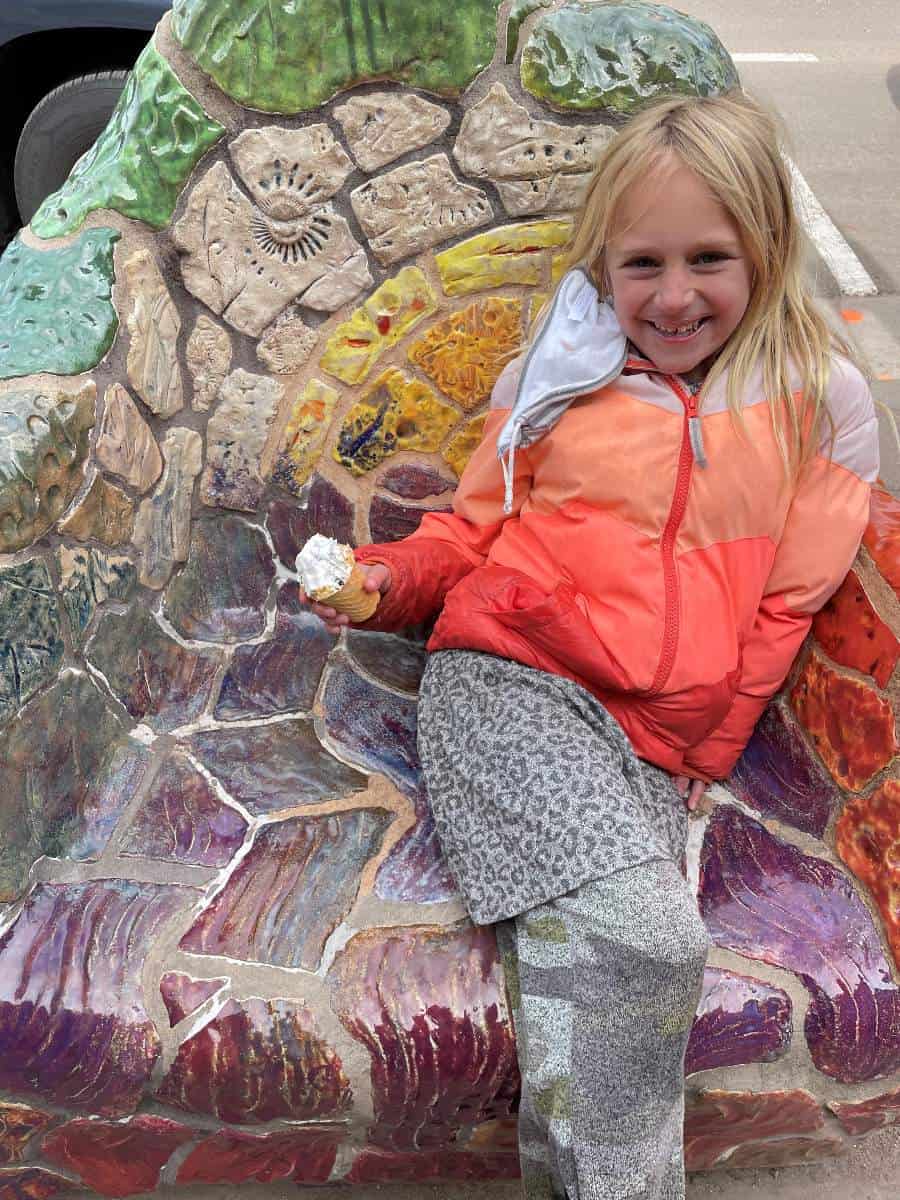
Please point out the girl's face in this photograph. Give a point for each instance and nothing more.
(679, 272)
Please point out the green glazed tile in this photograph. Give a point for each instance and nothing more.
(143, 158)
(44, 441)
(292, 56)
(517, 14)
(31, 649)
(616, 56)
(57, 312)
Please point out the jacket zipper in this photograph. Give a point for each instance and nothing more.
(667, 543)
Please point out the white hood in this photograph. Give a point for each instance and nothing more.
(578, 349)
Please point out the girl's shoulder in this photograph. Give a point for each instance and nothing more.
(848, 394)
(851, 441)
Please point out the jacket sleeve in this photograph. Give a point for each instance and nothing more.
(825, 523)
(426, 565)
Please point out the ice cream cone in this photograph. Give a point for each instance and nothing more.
(353, 599)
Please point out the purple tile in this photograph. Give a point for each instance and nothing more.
(390, 521)
(67, 771)
(220, 594)
(327, 511)
(392, 660)
(372, 726)
(73, 1028)
(183, 820)
(739, 1020)
(272, 767)
(182, 995)
(415, 871)
(779, 776)
(414, 483)
(429, 1005)
(258, 1061)
(377, 729)
(765, 899)
(158, 680)
(282, 674)
(292, 889)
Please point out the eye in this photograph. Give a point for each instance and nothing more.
(641, 262)
(711, 257)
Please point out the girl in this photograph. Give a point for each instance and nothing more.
(672, 481)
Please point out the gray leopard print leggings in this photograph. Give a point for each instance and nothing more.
(604, 984)
(544, 811)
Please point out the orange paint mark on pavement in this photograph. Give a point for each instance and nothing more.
(851, 315)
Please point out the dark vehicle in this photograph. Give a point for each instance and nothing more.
(63, 64)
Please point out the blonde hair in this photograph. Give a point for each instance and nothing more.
(732, 144)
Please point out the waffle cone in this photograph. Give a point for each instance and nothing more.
(352, 599)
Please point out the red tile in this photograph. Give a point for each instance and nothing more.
(117, 1158)
(865, 1115)
(850, 631)
(301, 1155)
(716, 1123)
(19, 1122)
(851, 726)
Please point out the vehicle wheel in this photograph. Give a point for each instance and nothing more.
(60, 129)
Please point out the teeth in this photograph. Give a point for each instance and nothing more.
(678, 328)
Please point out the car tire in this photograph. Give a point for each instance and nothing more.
(64, 125)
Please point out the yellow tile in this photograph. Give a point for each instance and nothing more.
(465, 352)
(510, 254)
(397, 413)
(305, 434)
(388, 315)
(464, 445)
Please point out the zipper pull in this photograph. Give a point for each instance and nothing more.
(695, 433)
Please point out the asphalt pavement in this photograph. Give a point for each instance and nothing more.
(836, 83)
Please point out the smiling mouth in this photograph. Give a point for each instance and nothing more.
(678, 333)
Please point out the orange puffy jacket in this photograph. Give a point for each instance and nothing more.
(678, 594)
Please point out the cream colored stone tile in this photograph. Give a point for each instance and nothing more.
(235, 439)
(383, 125)
(209, 361)
(126, 446)
(287, 344)
(154, 325)
(247, 265)
(536, 165)
(417, 206)
(290, 170)
(163, 527)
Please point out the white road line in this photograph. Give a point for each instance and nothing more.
(851, 276)
(775, 57)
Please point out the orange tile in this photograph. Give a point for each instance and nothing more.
(851, 726)
(867, 836)
(851, 632)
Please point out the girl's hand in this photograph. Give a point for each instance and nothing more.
(690, 789)
(378, 579)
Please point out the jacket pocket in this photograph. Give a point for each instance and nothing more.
(555, 626)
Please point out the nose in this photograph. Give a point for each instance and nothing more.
(675, 290)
